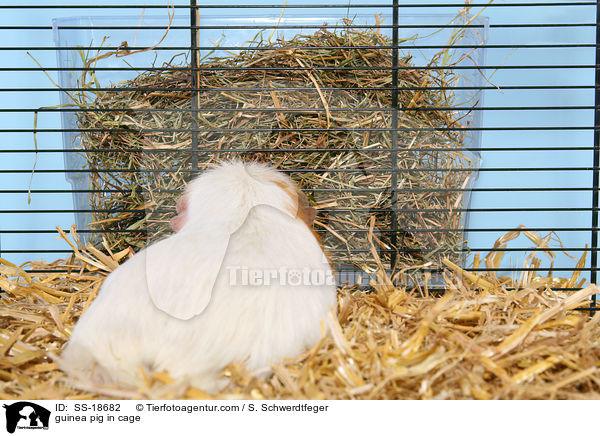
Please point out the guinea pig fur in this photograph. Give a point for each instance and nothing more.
(244, 280)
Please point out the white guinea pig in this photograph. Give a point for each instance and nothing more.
(244, 280)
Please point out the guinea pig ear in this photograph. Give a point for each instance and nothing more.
(181, 271)
(178, 221)
(305, 212)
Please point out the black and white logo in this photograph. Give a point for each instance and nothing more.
(26, 415)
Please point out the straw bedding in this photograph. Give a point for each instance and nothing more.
(480, 339)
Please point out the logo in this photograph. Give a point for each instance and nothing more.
(26, 415)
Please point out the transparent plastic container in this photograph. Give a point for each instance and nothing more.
(67, 33)
(430, 30)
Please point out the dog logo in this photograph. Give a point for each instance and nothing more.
(26, 415)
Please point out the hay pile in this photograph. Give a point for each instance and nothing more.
(478, 340)
(338, 124)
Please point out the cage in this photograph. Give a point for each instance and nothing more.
(513, 320)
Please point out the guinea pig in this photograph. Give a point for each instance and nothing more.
(243, 280)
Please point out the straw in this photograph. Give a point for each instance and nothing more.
(487, 337)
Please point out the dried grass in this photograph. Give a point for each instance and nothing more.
(333, 137)
(481, 339)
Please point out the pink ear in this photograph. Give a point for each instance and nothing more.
(182, 205)
(178, 221)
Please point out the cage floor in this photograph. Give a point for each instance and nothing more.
(485, 337)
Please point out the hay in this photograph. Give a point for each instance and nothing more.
(481, 339)
(149, 135)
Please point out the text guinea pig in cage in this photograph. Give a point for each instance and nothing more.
(434, 167)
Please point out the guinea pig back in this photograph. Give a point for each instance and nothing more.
(244, 280)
